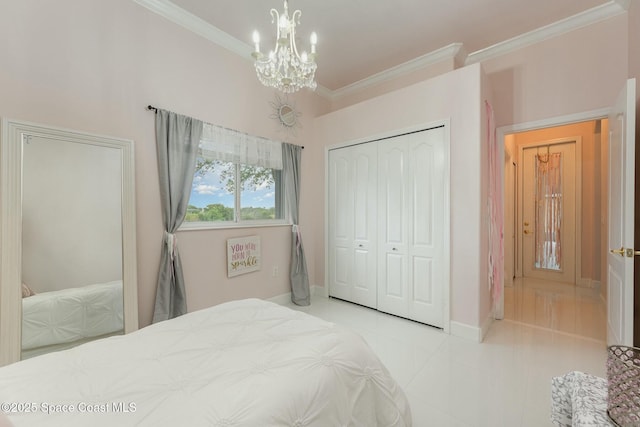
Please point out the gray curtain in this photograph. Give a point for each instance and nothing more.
(177, 140)
(291, 178)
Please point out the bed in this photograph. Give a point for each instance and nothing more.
(242, 363)
(62, 319)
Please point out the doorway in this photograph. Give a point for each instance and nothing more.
(555, 182)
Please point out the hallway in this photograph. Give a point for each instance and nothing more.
(557, 306)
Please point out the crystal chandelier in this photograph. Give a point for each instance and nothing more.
(284, 68)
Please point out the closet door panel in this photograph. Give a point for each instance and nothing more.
(392, 241)
(426, 184)
(340, 224)
(352, 224)
(365, 187)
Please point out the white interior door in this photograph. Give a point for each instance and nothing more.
(411, 214)
(621, 217)
(352, 225)
(548, 229)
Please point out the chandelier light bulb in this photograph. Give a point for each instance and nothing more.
(314, 42)
(256, 41)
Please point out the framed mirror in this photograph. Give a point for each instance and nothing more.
(68, 253)
(286, 114)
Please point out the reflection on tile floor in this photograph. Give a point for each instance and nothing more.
(559, 306)
(450, 381)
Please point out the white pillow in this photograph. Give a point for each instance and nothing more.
(26, 292)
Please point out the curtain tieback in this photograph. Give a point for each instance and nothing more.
(172, 242)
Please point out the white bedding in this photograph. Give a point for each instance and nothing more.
(244, 363)
(70, 315)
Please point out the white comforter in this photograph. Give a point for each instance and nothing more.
(72, 314)
(243, 363)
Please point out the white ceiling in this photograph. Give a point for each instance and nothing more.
(359, 38)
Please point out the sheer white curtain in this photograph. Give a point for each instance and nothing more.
(228, 145)
(549, 211)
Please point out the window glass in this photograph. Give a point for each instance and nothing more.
(219, 188)
(213, 192)
(259, 194)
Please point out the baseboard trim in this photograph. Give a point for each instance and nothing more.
(472, 333)
(283, 299)
(588, 283)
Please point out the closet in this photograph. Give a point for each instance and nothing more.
(388, 224)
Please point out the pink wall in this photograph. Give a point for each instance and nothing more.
(455, 96)
(94, 66)
(485, 299)
(634, 40)
(579, 71)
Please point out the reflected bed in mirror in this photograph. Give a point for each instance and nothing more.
(57, 320)
(71, 274)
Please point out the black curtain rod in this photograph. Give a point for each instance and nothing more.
(151, 107)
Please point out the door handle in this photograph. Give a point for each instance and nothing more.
(628, 252)
(620, 251)
(527, 232)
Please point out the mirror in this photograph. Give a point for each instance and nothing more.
(287, 115)
(71, 273)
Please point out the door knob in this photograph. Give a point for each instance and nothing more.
(527, 232)
(628, 252)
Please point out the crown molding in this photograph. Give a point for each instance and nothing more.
(583, 19)
(191, 22)
(451, 51)
(623, 3)
(455, 51)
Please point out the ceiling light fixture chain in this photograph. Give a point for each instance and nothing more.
(284, 68)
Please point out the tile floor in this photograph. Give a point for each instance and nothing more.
(450, 381)
(558, 306)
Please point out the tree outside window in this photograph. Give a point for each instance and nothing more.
(226, 192)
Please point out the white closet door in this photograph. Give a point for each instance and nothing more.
(393, 246)
(411, 206)
(352, 224)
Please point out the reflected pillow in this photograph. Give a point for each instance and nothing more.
(27, 291)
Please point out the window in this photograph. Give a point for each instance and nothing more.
(236, 181)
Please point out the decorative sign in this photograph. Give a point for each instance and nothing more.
(243, 255)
